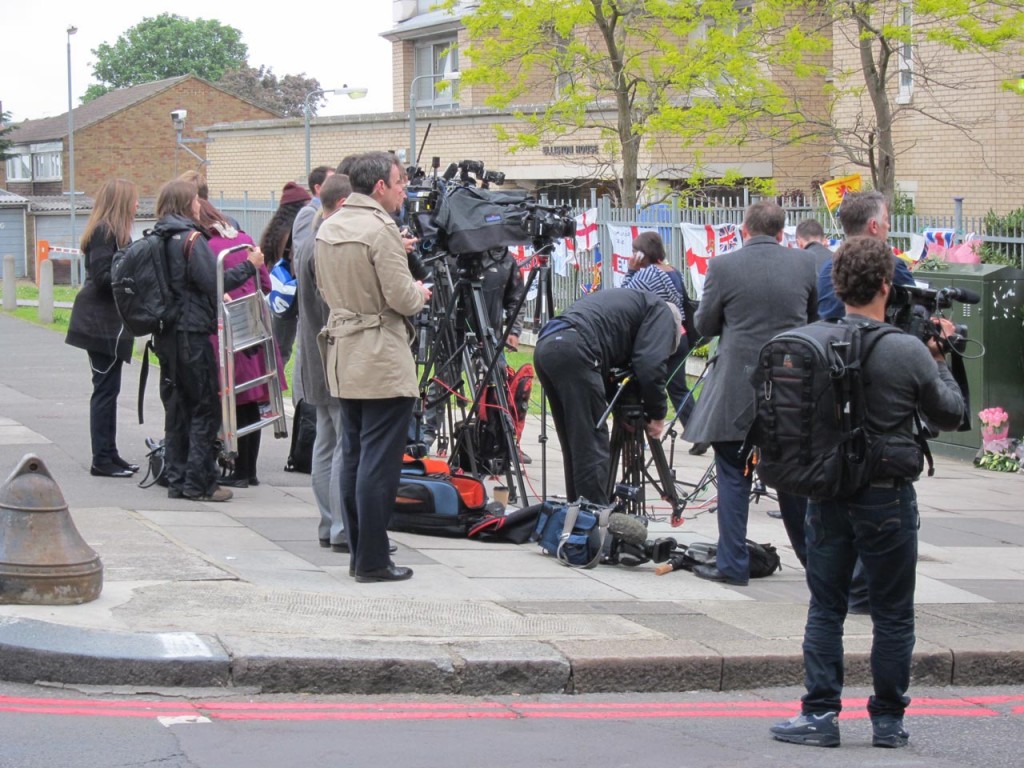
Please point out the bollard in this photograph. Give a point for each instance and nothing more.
(10, 286)
(46, 292)
(43, 558)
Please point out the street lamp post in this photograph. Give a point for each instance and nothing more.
(352, 93)
(451, 76)
(71, 147)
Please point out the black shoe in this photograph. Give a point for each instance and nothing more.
(711, 573)
(888, 731)
(699, 449)
(391, 573)
(809, 730)
(254, 481)
(523, 458)
(175, 493)
(325, 543)
(109, 470)
(233, 482)
(119, 462)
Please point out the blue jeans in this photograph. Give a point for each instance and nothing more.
(880, 526)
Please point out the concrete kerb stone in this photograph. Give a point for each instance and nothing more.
(39, 651)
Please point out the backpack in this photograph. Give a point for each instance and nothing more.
(300, 453)
(809, 425)
(764, 559)
(283, 291)
(141, 284)
(520, 387)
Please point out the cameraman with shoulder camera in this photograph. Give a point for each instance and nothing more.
(877, 524)
(575, 356)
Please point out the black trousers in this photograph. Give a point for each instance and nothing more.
(188, 388)
(248, 445)
(575, 389)
(106, 386)
(373, 439)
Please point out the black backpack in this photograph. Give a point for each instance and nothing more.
(809, 426)
(140, 281)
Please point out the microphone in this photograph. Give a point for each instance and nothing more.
(629, 529)
(963, 295)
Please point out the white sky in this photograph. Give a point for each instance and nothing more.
(337, 43)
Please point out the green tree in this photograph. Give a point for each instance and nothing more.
(5, 129)
(698, 71)
(286, 95)
(167, 46)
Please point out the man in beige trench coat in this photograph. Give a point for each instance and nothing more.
(363, 274)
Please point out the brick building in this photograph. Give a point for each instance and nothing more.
(970, 152)
(127, 133)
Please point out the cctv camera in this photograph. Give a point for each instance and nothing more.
(179, 115)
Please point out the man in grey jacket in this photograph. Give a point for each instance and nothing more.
(876, 526)
(750, 295)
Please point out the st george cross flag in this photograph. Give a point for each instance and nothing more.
(702, 242)
(834, 191)
(622, 237)
(586, 230)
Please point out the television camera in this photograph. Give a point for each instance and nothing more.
(912, 309)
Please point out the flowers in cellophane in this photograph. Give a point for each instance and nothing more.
(994, 418)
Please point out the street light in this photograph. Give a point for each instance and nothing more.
(71, 147)
(450, 76)
(352, 93)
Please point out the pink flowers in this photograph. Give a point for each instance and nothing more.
(993, 418)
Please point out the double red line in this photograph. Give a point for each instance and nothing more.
(976, 706)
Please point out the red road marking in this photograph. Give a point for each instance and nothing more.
(977, 706)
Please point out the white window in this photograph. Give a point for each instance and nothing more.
(46, 166)
(436, 60)
(19, 167)
(905, 91)
(41, 162)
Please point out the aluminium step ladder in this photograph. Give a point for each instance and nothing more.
(244, 324)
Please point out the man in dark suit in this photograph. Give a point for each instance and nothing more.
(750, 295)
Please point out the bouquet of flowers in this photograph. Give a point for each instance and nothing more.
(994, 418)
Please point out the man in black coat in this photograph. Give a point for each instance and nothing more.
(615, 328)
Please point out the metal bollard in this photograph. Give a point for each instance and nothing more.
(46, 292)
(43, 558)
(10, 286)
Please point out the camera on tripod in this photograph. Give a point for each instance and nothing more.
(912, 309)
(551, 223)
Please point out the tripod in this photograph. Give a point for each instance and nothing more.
(629, 445)
(465, 349)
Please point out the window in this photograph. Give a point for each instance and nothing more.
(438, 59)
(19, 168)
(905, 93)
(41, 162)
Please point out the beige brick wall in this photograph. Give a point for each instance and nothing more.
(982, 160)
(260, 157)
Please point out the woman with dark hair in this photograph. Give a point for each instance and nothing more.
(648, 271)
(222, 235)
(95, 325)
(188, 368)
(276, 243)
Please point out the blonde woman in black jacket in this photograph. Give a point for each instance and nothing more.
(95, 325)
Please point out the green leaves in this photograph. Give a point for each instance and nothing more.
(169, 46)
(998, 462)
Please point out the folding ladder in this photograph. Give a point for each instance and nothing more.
(245, 323)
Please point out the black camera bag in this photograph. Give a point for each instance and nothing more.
(472, 220)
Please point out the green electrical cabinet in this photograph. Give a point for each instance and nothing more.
(997, 322)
